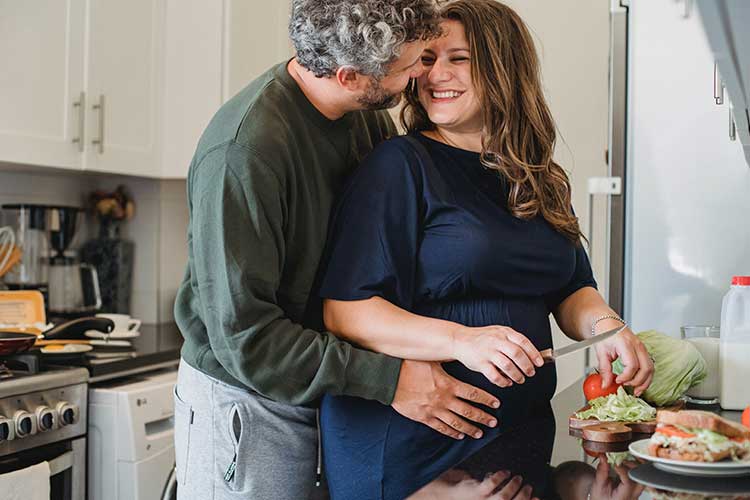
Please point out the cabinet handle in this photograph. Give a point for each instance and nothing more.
(718, 86)
(81, 105)
(732, 126)
(100, 140)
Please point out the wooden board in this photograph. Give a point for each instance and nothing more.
(577, 426)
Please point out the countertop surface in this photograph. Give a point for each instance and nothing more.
(542, 454)
(158, 346)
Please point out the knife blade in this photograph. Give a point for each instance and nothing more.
(551, 355)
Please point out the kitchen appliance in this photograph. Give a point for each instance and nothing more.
(131, 439)
(73, 286)
(678, 220)
(43, 418)
(29, 225)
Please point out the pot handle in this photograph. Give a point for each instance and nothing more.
(77, 328)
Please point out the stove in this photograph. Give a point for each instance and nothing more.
(43, 418)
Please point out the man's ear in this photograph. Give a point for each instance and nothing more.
(348, 78)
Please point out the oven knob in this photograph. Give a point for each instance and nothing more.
(45, 418)
(25, 423)
(68, 413)
(7, 429)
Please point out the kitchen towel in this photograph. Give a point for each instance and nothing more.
(31, 483)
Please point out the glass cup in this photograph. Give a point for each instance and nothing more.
(706, 340)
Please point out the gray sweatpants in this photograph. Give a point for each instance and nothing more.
(235, 444)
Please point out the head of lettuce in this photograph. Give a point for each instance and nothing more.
(678, 366)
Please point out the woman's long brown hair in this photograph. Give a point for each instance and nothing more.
(518, 138)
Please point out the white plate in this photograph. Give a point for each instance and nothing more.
(129, 334)
(110, 343)
(68, 349)
(725, 468)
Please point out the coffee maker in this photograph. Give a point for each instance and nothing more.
(45, 234)
(73, 286)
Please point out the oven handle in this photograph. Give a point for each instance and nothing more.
(61, 463)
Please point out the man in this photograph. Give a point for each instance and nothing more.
(261, 186)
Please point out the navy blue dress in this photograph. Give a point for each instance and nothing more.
(426, 227)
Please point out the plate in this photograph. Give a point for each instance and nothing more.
(110, 343)
(725, 468)
(648, 475)
(67, 349)
(129, 334)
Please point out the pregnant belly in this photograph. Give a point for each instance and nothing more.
(402, 455)
(528, 316)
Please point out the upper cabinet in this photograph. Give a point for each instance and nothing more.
(126, 87)
(124, 54)
(726, 23)
(42, 104)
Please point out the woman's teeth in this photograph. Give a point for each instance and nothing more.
(446, 95)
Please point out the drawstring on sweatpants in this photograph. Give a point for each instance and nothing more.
(319, 471)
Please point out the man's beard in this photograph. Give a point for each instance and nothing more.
(376, 97)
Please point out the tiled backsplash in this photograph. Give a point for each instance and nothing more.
(158, 229)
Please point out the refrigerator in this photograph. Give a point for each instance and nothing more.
(678, 191)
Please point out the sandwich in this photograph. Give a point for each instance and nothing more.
(698, 436)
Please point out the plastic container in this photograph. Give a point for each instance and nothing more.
(735, 345)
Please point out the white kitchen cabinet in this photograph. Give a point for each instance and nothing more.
(151, 74)
(124, 78)
(41, 80)
(213, 50)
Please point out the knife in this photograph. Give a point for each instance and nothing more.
(551, 355)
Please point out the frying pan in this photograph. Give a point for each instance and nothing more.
(17, 342)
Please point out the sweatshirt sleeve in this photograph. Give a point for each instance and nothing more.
(238, 251)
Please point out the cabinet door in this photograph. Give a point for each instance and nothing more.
(124, 53)
(256, 37)
(192, 79)
(41, 77)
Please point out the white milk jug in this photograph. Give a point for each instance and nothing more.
(735, 345)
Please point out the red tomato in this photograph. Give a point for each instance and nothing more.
(592, 387)
(669, 430)
(746, 417)
(592, 454)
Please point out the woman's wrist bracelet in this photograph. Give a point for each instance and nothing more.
(602, 318)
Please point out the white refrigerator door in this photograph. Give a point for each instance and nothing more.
(687, 184)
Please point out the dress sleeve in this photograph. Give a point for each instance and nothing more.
(582, 277)
(373, 240)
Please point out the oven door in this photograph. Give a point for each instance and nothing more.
(67, 464)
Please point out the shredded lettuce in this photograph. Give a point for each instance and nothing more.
(617, 458)
(620, 407)
(678, 366)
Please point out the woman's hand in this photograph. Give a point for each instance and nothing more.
(500, 353)
(638, 367)
(608, 488)
(459, 485)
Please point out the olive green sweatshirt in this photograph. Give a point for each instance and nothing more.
(260, 190)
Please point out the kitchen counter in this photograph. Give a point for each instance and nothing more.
(554, 463)
(157, 347)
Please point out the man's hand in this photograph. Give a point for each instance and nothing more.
(426, 394)
(638, 367)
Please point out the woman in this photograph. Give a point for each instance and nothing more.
(454, 244)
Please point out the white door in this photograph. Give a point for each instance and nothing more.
(41, 78)
(123, 54)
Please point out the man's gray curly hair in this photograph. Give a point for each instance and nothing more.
(367, 35)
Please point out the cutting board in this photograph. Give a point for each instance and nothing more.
(578, 426)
